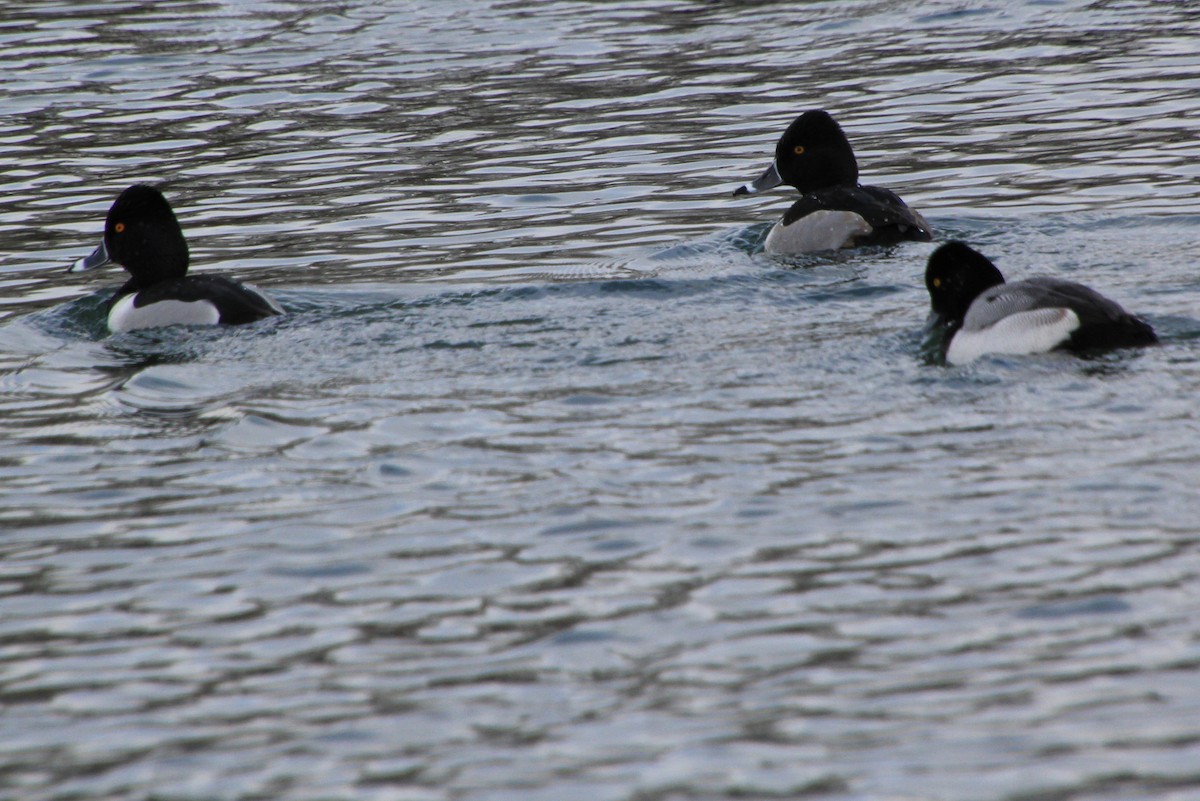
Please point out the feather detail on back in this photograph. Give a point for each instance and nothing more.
(879, 207)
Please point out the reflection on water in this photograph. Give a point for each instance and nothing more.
(551, 485)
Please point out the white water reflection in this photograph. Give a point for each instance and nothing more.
(551, 485)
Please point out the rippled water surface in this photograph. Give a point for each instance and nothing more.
(551, 485)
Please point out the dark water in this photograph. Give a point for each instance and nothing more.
(551, 486)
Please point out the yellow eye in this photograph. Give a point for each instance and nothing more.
(937, 282)
(798, 150)
(119, 228)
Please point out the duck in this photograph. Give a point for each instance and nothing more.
(979, 313)
(142, 235)
(834, 210)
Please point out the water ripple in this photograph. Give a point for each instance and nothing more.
(551, 484)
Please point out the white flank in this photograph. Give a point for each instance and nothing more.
(821, 230)
(1036, 331)
(126, 317)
